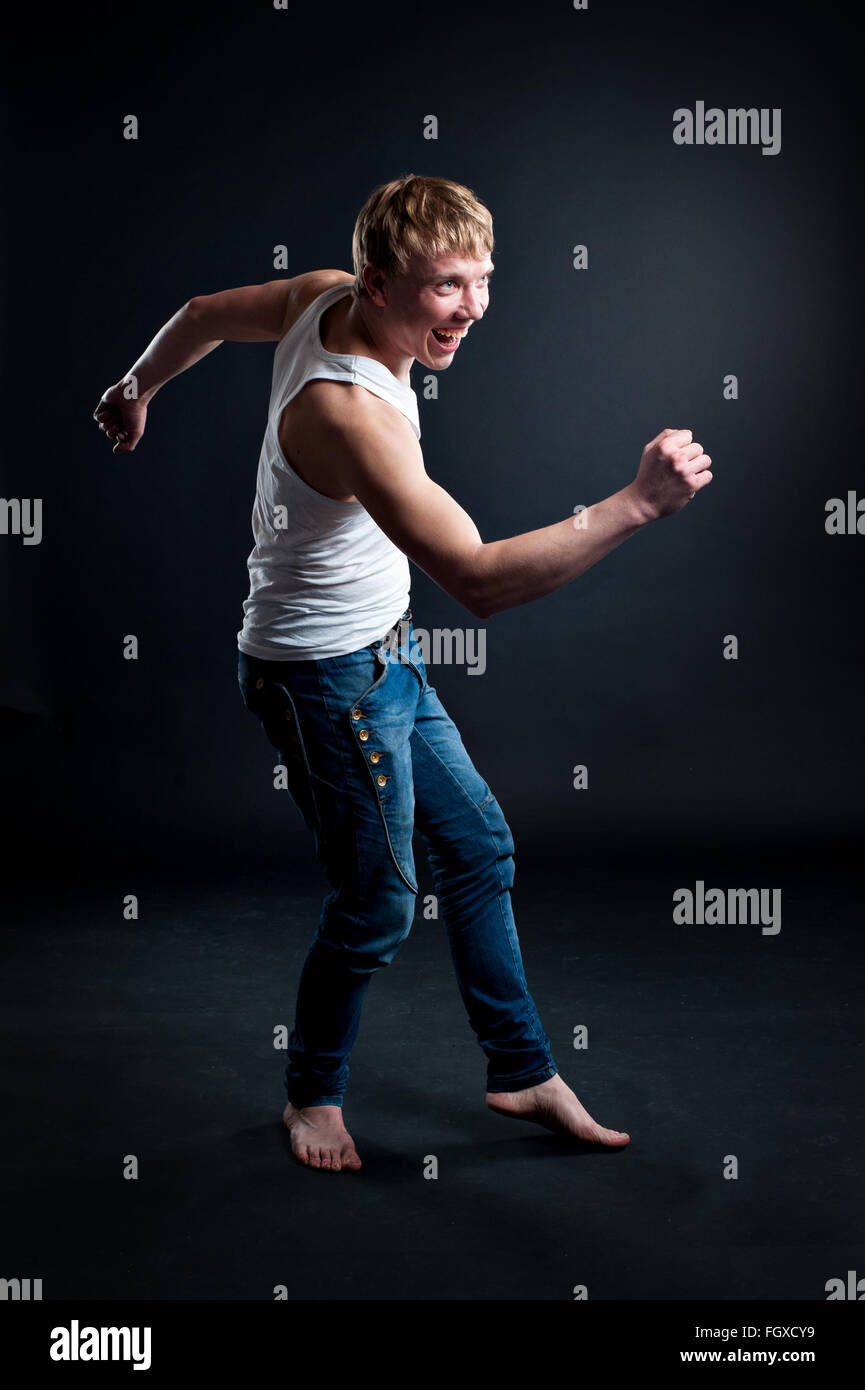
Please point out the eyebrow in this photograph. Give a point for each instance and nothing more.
(452, 275)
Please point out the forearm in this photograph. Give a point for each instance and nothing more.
(180, 343)
(510, 572)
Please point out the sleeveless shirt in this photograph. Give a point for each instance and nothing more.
(324, 578)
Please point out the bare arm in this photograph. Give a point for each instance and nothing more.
(248, 314)
(381, 461)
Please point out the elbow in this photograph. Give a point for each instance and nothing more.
(474, 593)
(481, 610)
(476, 601)
(201, 320)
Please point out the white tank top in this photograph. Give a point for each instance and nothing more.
(324, 578)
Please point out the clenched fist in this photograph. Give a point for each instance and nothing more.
(122, 420)
(672, 469)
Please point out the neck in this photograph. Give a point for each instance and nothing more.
(362, 326)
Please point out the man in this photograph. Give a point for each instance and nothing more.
(328, 660)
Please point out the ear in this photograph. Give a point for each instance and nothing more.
(375, 282)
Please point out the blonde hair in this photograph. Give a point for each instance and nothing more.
(418, 215)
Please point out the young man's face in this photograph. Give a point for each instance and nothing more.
(439, 296)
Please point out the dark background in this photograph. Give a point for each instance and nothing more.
(260, 127)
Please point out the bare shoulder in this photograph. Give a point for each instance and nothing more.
(332, 428)
(303, 289)
(336, 433)
(349, 410)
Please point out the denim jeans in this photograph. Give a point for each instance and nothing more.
(369, 754)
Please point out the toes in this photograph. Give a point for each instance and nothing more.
(328, 1160)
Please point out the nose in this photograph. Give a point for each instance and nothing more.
(473, 303)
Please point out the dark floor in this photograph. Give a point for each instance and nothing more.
(154, 1039)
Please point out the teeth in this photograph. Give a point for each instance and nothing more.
(440, 333)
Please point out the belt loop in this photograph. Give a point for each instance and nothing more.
(398, 634)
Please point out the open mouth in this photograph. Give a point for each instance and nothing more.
(449, 340)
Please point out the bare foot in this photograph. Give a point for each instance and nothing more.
(319, 1138)
(554, 1105)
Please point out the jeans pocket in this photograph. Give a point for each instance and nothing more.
(379, 654)
(381, 718)
(274, 707)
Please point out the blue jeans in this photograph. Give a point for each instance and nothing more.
(369, 753)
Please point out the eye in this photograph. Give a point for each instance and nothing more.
(484, 280)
